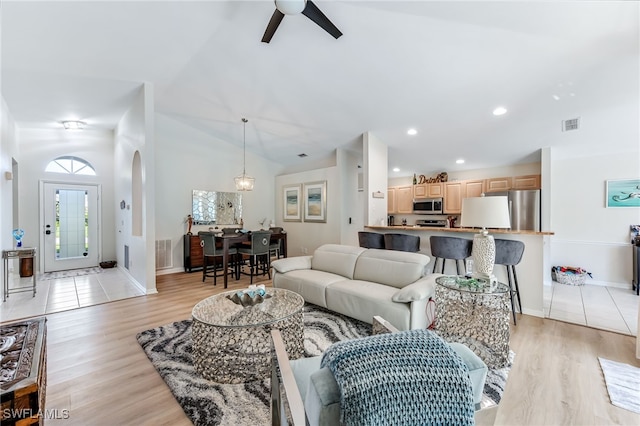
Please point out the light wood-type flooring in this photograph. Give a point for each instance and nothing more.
(98, 373)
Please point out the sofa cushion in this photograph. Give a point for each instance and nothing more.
(424, 288)
(390, 267)
(302, 369)
(336, 258)
(477, 369)
(291, 264)
(364, 299)
(308, 283)
(322, 399)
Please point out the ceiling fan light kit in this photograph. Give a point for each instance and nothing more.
(295, 7)
(290, 7)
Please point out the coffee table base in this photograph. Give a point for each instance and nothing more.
(242, 354)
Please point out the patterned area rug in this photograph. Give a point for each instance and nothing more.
(208, 403)
(623, 384)
(70, 273)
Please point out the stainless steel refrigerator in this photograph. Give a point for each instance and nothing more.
(524, 208)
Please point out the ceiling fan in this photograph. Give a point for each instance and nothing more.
(294, 7)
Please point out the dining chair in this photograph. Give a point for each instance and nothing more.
(258, 253)
(275, 248)
(212, 254)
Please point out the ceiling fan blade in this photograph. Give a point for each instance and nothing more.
(312, 12)
(275, 20)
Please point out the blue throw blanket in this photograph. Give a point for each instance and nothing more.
(404, 378)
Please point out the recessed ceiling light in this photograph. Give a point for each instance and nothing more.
(460, 161)
(395, 169)
(412, 132)
(500, 111)
(73, 125)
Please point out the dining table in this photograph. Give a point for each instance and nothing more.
(229, 240)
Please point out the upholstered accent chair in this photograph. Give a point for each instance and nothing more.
(311, 395)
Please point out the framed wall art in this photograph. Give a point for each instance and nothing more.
(292, 203)
(623, 193)
(315, 205)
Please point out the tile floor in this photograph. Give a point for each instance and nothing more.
(606, 308)
(63, 294)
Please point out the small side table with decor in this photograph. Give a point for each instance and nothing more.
(476, 314)
(27, 258)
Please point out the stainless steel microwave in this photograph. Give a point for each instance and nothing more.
(427, 206)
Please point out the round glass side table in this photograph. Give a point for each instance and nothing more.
(476, 314)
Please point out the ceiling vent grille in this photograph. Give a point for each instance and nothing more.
(571, 124)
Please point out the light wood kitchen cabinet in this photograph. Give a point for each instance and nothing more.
(404, 199)
(453, 193)
(497, 184)
(391, 200)
(473, 188)
(526, 182)
(428, 190)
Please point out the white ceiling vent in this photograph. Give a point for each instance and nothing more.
(571, 124)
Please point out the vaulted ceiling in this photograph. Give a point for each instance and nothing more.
(440, 67)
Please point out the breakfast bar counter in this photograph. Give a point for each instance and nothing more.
(534, 270)
(458, 230)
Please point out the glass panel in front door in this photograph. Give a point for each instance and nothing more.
(72, 223)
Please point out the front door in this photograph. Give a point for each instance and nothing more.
(70, 226)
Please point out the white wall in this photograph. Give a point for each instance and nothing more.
(375, 179)
(303, 237)
(588, 234)
(135, 132)
(188, 159)
(8, 151)
(352, 200)
(37, 148)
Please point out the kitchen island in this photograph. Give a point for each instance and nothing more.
(534, 270)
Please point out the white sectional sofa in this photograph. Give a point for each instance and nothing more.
(361, 283)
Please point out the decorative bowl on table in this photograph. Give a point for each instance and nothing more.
(249, 297)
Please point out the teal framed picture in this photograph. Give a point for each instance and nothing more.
(623, 193)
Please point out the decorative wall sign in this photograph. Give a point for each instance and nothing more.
(623, 193)
(292, 203)
(315, 195)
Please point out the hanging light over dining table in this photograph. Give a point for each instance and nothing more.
(243, 181)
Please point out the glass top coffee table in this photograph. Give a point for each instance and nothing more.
(475, 314)
(232, 342)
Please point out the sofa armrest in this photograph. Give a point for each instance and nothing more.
(422, 289)
(291, 264)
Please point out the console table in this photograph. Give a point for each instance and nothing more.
(477, 317)
(19, 253)
(24, 372)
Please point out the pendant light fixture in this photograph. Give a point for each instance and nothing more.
(244, 182)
